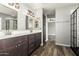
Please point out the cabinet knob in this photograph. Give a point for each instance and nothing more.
(18, 44)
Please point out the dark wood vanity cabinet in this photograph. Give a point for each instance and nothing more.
(20, 46)
(16, 46)
(31, 43)
(34, 42)
(37, 40)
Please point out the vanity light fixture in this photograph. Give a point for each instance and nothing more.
(15, 5)
(30, 13)
(11, 4)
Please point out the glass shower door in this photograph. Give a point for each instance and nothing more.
(74, 29)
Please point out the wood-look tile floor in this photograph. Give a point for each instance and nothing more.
(50, 49)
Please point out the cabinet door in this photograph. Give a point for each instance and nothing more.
(9, 51)
(22, 46)
(24, 49)
(31, 38)
(25, 46)
(19, 49)
(31, 48)
(37, 40)
(31, 43)
(7, 44)
(12, 51)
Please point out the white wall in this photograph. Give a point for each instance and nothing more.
(22, 16)
(46, 28)
(63, 25)
(51, 28)
(22, 12)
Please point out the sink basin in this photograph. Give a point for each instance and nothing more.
(20, 32)
(8, 33)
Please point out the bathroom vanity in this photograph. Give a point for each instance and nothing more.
(21, 45)
(20, 34)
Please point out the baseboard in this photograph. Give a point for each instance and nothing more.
(46, 40)
(41, 44)
(62, 44)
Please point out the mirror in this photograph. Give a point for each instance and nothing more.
(32, 23)
(36, 24)
(8, 18)
(29, 22)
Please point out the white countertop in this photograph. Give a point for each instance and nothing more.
(18, 33)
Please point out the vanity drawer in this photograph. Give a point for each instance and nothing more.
(31, 47)
(31, 39)
(10, 42)
(10, 51)
(38, 34)
(15, 46)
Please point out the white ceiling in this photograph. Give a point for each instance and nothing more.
(50, 7)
